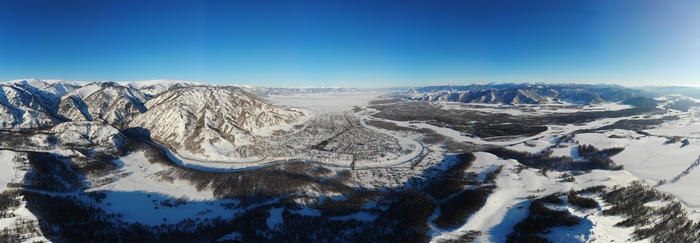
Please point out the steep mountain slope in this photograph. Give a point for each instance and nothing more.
(102, 101)
(208, 121)
(25, 106)
(525, 93)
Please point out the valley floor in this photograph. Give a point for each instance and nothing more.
(349, 164)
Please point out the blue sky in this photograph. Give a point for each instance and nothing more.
(362, 43)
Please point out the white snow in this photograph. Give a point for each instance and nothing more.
(503, 207)
(7, 170)
(133, 195)
(325, 102)
(275, 218)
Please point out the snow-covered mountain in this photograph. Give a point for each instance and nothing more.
(524, 93)
(102, 101)
(658, 91)
(25, 106)
(206, 120)
(154, 87)
(191, 117)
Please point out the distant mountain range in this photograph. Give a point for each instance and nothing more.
(693, 92)
(510, 93)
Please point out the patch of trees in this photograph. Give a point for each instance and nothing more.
(404, 220)
(676, 139)
(673, 140)
(539, 220)
(486, 130)
(266, 181)
(552, 198)
(579, 201)
(415, 222)
(461, 120)
(668, 223)
(9, 200)
(491, 176)
(352, 204)
(546, 162)
(387, 125)
(452, 180)
(636, 125)
(582, 117)
(94, 163)
(95, 195)
(20, 231)
(51, 172)
(454, 210)
(589, 151)
(593, 189)
(386, 101)
(69, 219)
(448, 189)
(682, 105)
(470, 236)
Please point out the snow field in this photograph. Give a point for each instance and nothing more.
(139, 194)
(502, 210)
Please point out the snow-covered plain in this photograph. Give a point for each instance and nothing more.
(139, 194)
(326, 102)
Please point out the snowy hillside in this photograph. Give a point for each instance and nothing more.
(210, 120)
(89, 135)
(25, 106)
(155, 87)
(104, 101)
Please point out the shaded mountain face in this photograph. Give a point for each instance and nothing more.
(525, 93)
(207, 120)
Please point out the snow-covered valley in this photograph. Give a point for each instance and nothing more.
(180, 162)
